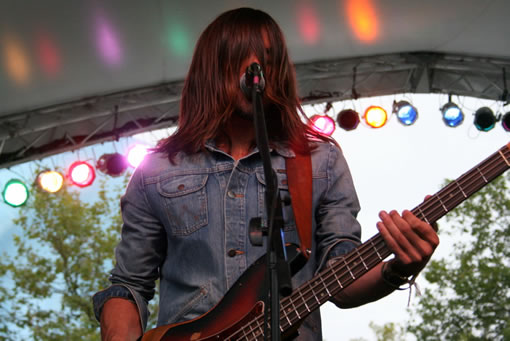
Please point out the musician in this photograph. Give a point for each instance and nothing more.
(187, 208)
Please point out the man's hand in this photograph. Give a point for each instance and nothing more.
(120, 321)
(412, 240)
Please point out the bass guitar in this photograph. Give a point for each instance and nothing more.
(239, 315)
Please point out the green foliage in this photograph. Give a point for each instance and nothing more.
(470, 299)
(387, 332)
(63, 253)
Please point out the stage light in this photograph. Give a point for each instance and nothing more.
(452, 115)
(375, 116)
(505, 121)
(50, 181)
(323, 124)
(136, 154)
(406, 113)
(81, 174)
(485, 119)
(348, 119)
(112, 164)
(15, 193)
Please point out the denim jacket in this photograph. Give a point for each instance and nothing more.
(187, 224)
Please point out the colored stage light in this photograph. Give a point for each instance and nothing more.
(375, 116)
(348, 119)
(136, 154)
(505, 121)
(112, 164)
(50, 181)
(485, 119)
(452, 115)
(406, 113)
(15, 193)
(81, 174)
(323, 124)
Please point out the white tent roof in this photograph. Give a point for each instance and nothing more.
(78, 73)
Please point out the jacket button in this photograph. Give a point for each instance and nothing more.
(232, 253)
(231, 194)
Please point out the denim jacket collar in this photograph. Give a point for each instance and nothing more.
(278, 147)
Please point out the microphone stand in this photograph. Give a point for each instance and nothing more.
(278, 273)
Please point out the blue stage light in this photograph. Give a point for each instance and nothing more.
(406, 113)
(452, 115)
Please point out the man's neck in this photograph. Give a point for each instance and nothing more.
(239, 138)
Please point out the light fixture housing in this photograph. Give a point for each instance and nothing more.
(375, 116)
(452, 114)
(323, 124)
(15, 193)
(485, 119)
(81, 174)
(136, 153)
(348, 119)
(112, 164)
(50, 181)
(505, 121)
(406, 113)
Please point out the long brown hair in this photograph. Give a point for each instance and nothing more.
(212, 84)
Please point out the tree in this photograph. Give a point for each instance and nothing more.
(470, 294)
(63, 254)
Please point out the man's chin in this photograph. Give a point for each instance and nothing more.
(245, 115)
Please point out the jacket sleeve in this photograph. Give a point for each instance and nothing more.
(139, 254)
(337, 231)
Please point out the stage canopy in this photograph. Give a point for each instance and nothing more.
(76, 73)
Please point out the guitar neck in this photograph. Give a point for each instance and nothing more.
(343, 272)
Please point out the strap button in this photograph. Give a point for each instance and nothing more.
(232, 253)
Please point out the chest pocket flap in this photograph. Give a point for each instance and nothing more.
(185, 200)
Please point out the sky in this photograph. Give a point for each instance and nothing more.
(393, 167)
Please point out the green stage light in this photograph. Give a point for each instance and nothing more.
(15, 193)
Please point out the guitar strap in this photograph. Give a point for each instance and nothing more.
(299, 179)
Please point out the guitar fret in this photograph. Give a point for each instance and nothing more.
(362, 260)
(315, 296)
(350, 272)
(287, 317)
(504, 158)
(244, 333)
(461, 190)
(441, 202)
(424, 217)
(324, 284)
(375, 248)
(304, 301)
(338, 280)
(295, 309)
(483, 177)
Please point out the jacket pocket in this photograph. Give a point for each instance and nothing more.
(185, 201)
(196, 305)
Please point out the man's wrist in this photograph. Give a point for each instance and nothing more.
(393, 277)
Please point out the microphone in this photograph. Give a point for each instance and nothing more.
(252, 77)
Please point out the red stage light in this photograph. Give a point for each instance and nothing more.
(81, 174)
(323, 124)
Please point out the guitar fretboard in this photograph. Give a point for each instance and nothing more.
(312, 294)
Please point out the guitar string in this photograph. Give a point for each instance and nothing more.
(367, 262)
(463, 185)
(465, 181)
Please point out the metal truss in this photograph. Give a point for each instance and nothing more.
(35, 134)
